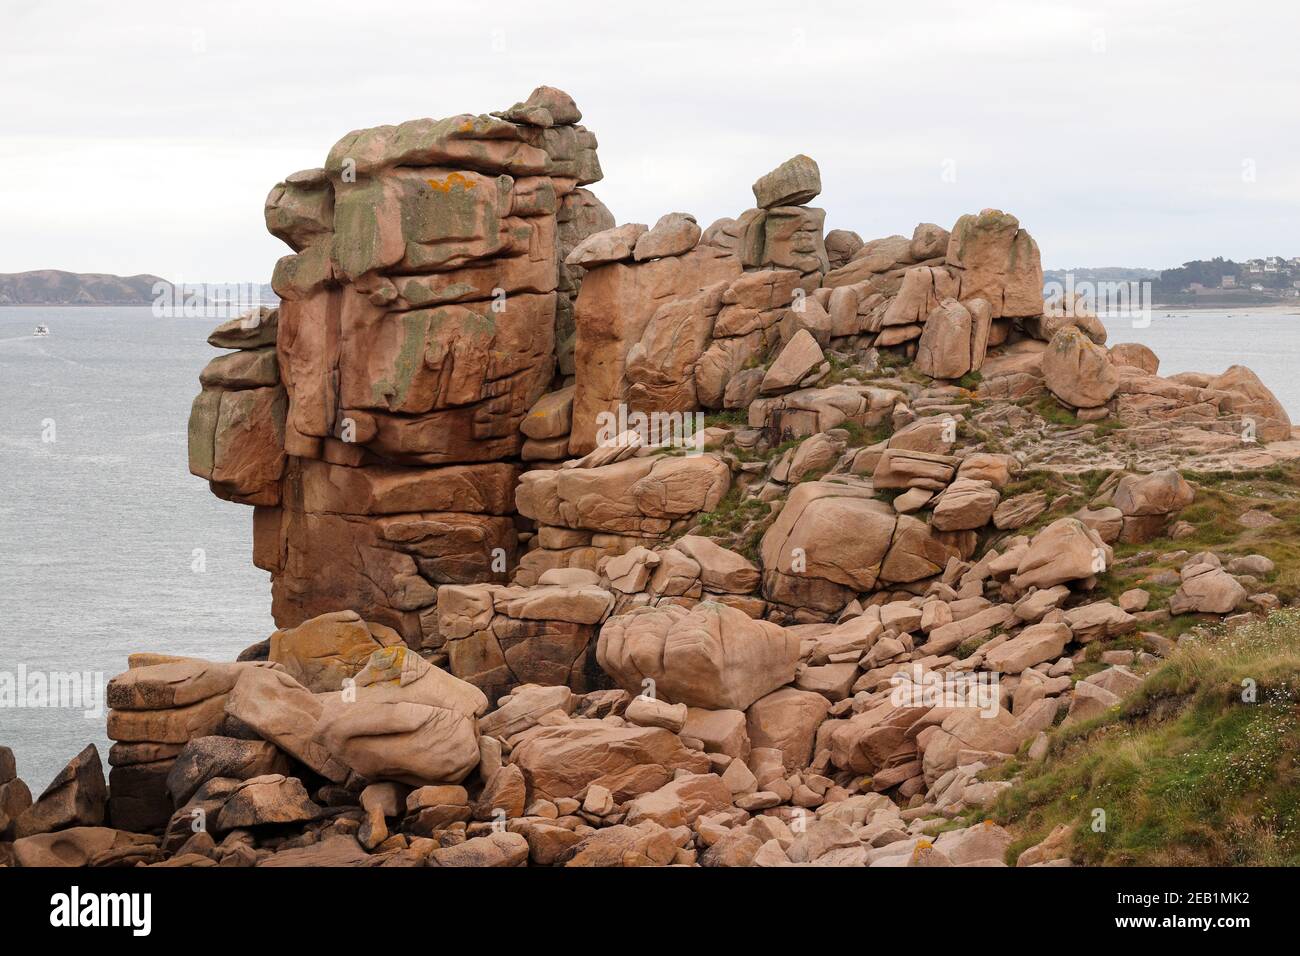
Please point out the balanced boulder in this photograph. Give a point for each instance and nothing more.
(1077, 371)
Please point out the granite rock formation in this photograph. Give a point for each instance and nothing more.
(517, 627)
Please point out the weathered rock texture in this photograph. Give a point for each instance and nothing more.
(374, 418)
(517, 625)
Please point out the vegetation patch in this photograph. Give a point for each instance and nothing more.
(1197, 767)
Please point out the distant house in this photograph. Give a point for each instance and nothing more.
(1255, 266)
(1228, 282)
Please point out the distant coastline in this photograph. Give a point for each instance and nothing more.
(1224, 306)
(54, 288)
(269, 303)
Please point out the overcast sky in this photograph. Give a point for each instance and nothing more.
(144, 136)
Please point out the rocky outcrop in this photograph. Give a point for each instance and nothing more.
(375, 419)
(1250, 398)
(236, 427)
(498, 637)
(323, 653)
(405, 721)
(710, 656)
(586, 511)
(1147, 503)
(1206, 588)
(76, 797)
(642, 327)
(833, 540)
(998, 262)
(517, 626)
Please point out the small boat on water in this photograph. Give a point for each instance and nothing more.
(41, 330)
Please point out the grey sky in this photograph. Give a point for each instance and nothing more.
(144, 136)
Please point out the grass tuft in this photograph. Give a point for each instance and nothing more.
(1197, 767)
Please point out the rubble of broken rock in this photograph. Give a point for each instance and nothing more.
(507, 639)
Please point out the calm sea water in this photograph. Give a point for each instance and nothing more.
(98, 528)
(1266, 341)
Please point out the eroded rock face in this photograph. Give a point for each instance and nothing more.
(498, 637)
(619, 310)
(709, 656)
(944, 350)
(204, 758)
(156, 708)
(833, 540)
(1065, 550)
(1135, 355)
(76, 797)
(1250, 398)
(1034, 645)
(998, 262)
(637, 655)
(324, 652)
(272, 798)
(588, 512)
(283, 712)
(410, 722)
(82, 846)
(1147, 502)
(565, 759)
(373, 415)
(1206, 588)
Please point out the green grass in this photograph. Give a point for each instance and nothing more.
(1052, 412)
(730, 522)
(1221, 498)
(860, 436)
(1185, 770)
(842, 369)
(728, 418)
(890, 358)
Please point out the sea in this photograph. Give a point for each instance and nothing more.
(108, 546)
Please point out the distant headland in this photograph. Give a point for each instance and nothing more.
(56, 287)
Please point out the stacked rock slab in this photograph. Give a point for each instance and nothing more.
(236, 429)
(374, 419)
(834, 539)
(341, 696)
(156, 707)
(630, 317)
(498, 637)
(670, 320)
(668, 316)
(958, 292)
(611, 501)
